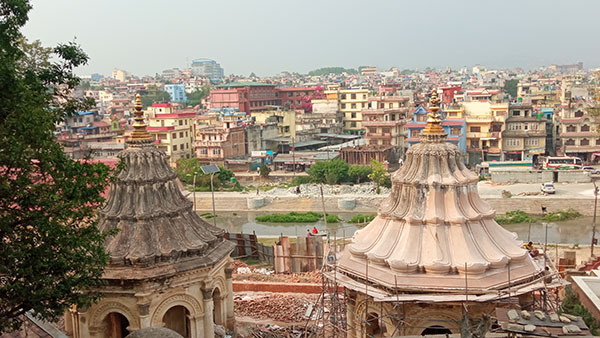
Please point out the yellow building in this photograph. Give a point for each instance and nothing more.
(172, 131)
(286, 121)
(485, 122)
(351, 102)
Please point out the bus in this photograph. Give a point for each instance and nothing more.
(562, 163)
(483, 169)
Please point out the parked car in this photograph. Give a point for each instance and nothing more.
(548, 188)
(589, 168)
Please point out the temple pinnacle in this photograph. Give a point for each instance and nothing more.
(434, 122)
(139, 126)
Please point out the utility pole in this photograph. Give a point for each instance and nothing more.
(194, 197)
(293, 155)
(212, 191)
(594, 220)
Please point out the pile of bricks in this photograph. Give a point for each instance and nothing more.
(277, 307)
(302, 277)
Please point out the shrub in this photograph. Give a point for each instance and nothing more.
(332, 171)
(561, 215)
(295, 217)
(571, 305)
(298, 180)
(360, 218)
(514, 216)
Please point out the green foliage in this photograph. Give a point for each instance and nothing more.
(571, 305)
(295, 217)
(185, 171)
(52, 252)
(359, 173)
(360, 218)
(378, 174)
(264, 171)
(332, 70)
(514, 216)
(158, 96)
(561, 215)
(298, 180)
(332, 171)
(195, 97)
(510, 86)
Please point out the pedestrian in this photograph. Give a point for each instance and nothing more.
(308, 234)
(256, 191)
(315, 231)
(297, 190)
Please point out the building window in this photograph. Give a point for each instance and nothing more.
(343, 96)
(353, 115)
(353, 124)
(203, 151)
(578, 113)
(516, 113)
(353, 96)
(181, 134)
(570, 142)
(175, 148)
(174, 136)
(353, 106)
(343, 106)
(585, 142)
(585, 127)
(455, 131)
(364, 96)
(571, 129)
(598, 141)
(181, 122)
(216, 151)
(422, 117)
(475, 129)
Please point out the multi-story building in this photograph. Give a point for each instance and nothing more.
(214, 144)
(208, 68)
(551, 130)
(578, 133)
(524, 135)
(454, 127)
(485, 121)
(173, 131)
(72, 124)
(285, 119)
(296, 98)
(385, 120)
(177, 92)
(246, 96)
(120, 75)
(351, 102)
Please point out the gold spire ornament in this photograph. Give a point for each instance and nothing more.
(139, 126)
(434, 122)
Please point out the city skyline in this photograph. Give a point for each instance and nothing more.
(146, 37)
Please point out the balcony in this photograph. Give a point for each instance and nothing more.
(524, 133)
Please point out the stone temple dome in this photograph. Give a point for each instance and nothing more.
(156, 223)
(434, 228)
(167, 268)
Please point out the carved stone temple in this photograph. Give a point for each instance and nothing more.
(168, 267)
(434, 254)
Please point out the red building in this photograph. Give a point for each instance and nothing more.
(448, 93)
(246, 96)
(297, 98)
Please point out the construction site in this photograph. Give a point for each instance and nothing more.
(433, 262)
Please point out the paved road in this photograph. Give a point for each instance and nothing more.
(563, 190)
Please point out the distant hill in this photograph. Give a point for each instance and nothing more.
(332, 70)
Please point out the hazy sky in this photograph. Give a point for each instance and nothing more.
(270, 36)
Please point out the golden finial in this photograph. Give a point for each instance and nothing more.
(139, 126)
(434, 122)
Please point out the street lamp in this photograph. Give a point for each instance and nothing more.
(212, 169)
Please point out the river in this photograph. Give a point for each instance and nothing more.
(576, 231)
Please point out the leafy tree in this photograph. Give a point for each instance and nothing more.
(572, 306)
(332, 171)
(378, 174)
(158, 96)
(195, 97)
(51, 249)
(510, 86)
(264, 171)
(186, 167)
(332, 70)
(358, 173)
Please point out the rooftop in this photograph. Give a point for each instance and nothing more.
(245, 84)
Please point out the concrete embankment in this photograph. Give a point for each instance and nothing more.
(369, 204)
